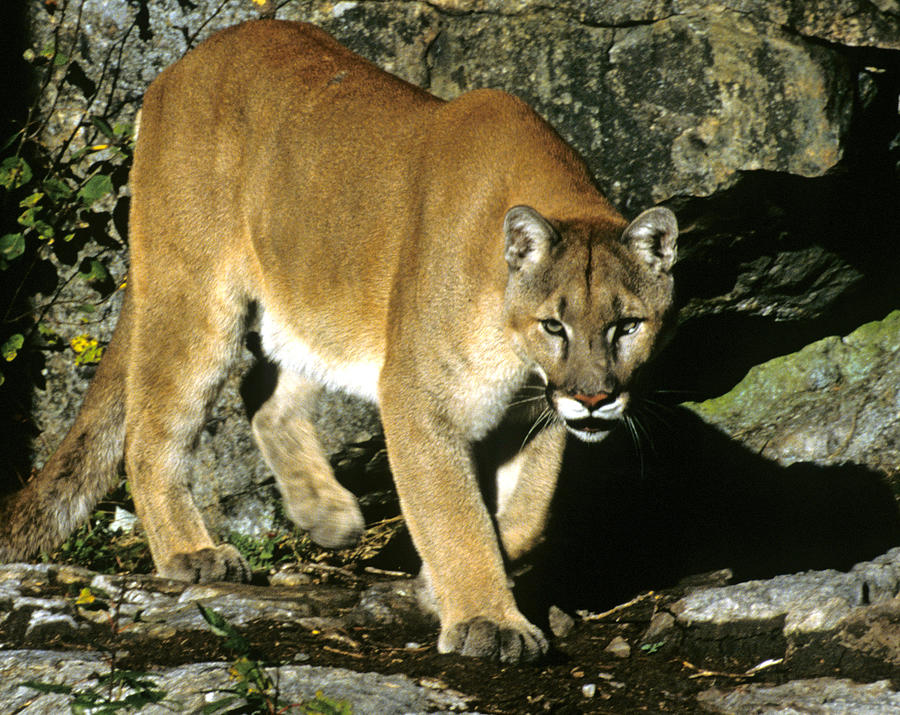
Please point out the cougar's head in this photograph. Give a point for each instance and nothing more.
(585, 306)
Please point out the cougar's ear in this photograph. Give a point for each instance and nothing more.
(653, 236)
(529, 237)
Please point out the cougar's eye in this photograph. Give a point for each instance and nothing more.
(628, 326)
(553, 326)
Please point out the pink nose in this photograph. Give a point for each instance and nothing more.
(591, 401)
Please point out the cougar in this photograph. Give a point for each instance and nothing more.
(432, 256)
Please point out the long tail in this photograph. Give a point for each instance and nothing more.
(83, 469)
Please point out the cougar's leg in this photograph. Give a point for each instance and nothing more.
(525, 488)
(186, 336)
(434, 471)
(313, 498)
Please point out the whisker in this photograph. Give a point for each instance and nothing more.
(642, 428)
(635, 438)
(544, 419)
(533, 388)
(661, 405)
(654, 409)
(525, 401)
(686, 393)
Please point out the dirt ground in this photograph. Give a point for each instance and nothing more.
(579, 676)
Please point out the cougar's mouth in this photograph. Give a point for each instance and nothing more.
(591, 429)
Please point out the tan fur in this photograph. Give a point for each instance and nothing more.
(432, 256)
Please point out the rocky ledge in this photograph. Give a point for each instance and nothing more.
(356, 642)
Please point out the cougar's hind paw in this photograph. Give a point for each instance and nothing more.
(220, 563)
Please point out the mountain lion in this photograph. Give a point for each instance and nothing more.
(431, 256)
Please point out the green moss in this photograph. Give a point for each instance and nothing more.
(770, 389)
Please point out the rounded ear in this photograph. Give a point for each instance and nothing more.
(653, 237)
(529, 237)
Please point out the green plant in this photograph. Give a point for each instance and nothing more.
(117, 690)
(272, 549)
(254, 690)
(60, 200)
(95, 545)
(651, 648)
(109, 695)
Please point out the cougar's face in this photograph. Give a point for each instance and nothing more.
(587, 317)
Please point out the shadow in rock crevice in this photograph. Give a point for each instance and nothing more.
(696, 501)
(23, 373)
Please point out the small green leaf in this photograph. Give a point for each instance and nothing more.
(12, 245)
(12, 139)
(28, 217)
(95, 188)
(44, 230)
(123, 129)
(223, 629)
(323, 705)
(216, 621)
(11, 347)
(104, 127)
(93, 271)
(32, 200)
(14, 172)
(57, 189)
(49, 334)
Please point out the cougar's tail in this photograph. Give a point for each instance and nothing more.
(82, 470)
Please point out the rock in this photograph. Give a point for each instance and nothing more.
(151, 633)
(834, 402)
(144, 611)
(561, 623)
(191, 688)
(810, 601)
(618, 647)
(819, 695)
(806, 621)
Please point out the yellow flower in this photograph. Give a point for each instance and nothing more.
(85, 598)
(80, 343)
(87, 350)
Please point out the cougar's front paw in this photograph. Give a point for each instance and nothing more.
(335, 523)
(339, 530)
(508, 641)
(221, 563)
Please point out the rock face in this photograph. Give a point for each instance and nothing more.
(158, 612)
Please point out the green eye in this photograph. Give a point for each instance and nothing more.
(553, 326)
(627, 327)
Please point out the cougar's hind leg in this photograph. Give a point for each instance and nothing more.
(313, 498)
(184, 342)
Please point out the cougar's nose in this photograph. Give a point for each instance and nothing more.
(594, 401)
